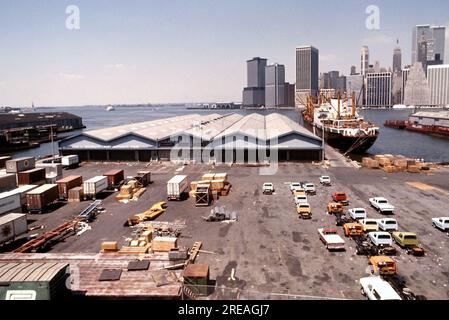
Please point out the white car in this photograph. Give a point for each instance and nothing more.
(268, 188)
(295, 186)
(325, 180)
(301, 199)
(357, 213)
(388, 224)
(375, 288)
(382, 205)
(309, 188)
(380, 238)
(441, 223)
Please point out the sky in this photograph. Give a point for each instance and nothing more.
(170, 51)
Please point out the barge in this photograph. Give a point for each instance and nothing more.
(433, 123)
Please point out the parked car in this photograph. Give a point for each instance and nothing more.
(388, 224)
(375, 288)
(353, 229)
(309, 188)
(382, 205)
(383, 265)
(357, 213)
(340, 197)
(294, 186)
(331, 239)
(369, 225)
(441, 223)
(268, 188)
(409, 241)
(325, 180)
(301, 199)
(299, 192)
(334, 208)
(380, 238)
(304, 211)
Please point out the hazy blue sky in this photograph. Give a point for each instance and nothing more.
(184, 51)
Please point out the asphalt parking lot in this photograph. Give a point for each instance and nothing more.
(275, 254)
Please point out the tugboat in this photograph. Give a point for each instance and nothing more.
(340, 124)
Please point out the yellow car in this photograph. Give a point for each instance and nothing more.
(299, 192)
(304, 210)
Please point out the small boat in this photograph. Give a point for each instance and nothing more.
(110, 108)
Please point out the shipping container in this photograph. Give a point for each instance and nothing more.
(143, 177)
(3, 160)
(39, 199)
(9, 203)
(70, 161)
(115, 177)
(33, 176)
(11, 226)
(51, 179)
(76, 194)
(177, 187)
(51, 169)
(7, 181)
(20, 164)
(64, 185)
(22, 191)
(94, 186)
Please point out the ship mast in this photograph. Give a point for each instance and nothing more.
(354, 106)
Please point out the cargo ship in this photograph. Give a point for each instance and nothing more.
(340, 124)
(433, 123)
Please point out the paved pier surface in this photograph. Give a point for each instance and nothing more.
(275, 254)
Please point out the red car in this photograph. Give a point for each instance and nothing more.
(340, 197)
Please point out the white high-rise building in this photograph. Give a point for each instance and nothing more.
(434, 36)
(378, 89)
(438, 77)
(364, 60)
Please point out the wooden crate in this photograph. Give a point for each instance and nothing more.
(221, 176)
(109, 246)
(217, 185)
(164, 244)
(208, 176)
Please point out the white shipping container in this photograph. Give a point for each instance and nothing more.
(12, 225)
(176, 186)
(51, 169)
(94, 186)
(70, 160)
(22, 191)
(9, 203)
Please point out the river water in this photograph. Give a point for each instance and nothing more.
(409, 144)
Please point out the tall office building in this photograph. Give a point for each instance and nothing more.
(254, 93)
(397, 58)
(364, 60)
(354, 83)
(353, 70)
(307, 73)
(405, 73)
(417, 90)
(435, 37)
(290, 94)
(438, 77)
(275, 86)
(378, 89)
(422, 53)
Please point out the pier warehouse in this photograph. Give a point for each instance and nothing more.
(213, 138)
(63, 120)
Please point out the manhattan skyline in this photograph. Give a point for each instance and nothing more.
(159, 52)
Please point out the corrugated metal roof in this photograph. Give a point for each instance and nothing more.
(214, 127)
(279, 125)
(30, 271)
(251, 125)
(433, 115)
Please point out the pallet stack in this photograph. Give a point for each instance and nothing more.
(392, 164)
(218, 183)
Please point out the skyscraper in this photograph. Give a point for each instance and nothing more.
(307, 73)
(254, 93)
(353, 70)
(435, 37)
(364, 60)
(422, 53)
(405, 73)
(275, 85)
(354, 83)
(378, 89)
(397, 59)
(417, 90)
(438, 77)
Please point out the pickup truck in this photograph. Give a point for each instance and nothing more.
(294, 186)
(334, 208)
(353, 229)
(375, 288)
(408, 241)
(340, 197)
(331, 239)
(388, 224)
(380, 238)
(325, 180)
(382, 205)
(309, 188)
(441, 223)
(357, 213)
(301, 199)
(383, 265)
(369, 225)
(304, 211)
(268, 188)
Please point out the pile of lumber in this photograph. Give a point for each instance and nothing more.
(218, 183)
(132, 190)
(394, 163)
(164, 244)
(109, 246)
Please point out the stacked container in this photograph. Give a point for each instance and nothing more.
(39, 199)
(32, 176)
(70, 182)
(20, 164)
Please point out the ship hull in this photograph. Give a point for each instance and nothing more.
(355, 145)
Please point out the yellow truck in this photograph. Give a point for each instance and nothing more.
(383, 265)
(304, 210)
(408, 241)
